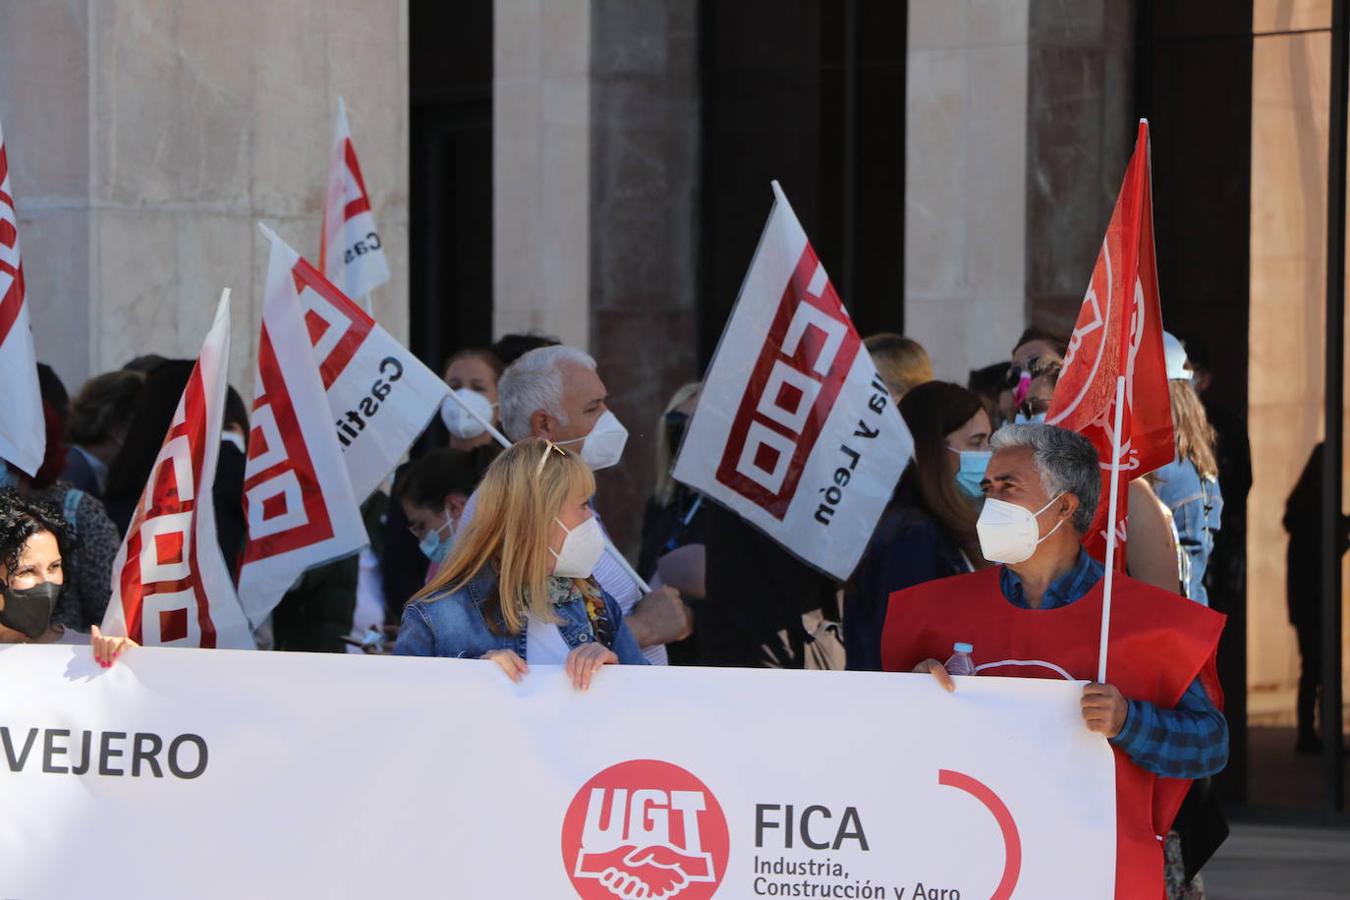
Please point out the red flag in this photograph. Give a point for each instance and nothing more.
(1119, 332)
(170, 585)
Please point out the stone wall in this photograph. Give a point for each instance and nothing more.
(965, 180)
(147, 137)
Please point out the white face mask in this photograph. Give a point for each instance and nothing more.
(603, 447)
(460, 423)
(1008, 532)
(581, 549)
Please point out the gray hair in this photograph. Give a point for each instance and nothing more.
(1066, 461)
(534, 383)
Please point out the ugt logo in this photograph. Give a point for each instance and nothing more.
(645, 829)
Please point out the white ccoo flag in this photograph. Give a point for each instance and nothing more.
(351, 254)
(23, 434)
(170, 584)
(298, 498)
(380, 396)
(795, 431)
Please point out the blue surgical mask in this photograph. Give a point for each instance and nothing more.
(1023, 419)
(433, 546)
(971, 470)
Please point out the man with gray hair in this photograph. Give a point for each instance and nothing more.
(1038, 614)
(555, 393)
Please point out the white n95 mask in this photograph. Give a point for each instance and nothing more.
(458, 422)
(581, 550)
(1008, 532)
(603, 447)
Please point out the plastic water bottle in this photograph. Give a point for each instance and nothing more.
(960, 662)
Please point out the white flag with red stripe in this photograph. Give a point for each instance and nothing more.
(170, 585)
(23, 435)
(795, 431)
(380, 395)
(298, 499)
(351, 253)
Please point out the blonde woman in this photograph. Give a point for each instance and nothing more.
(517, 587)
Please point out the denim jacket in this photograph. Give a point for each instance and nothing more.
(453, 624)
(1196, 506)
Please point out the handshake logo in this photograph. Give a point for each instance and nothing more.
(645, 830)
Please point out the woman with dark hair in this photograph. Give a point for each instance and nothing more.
(928, 531)
(473, 374)
(34, 539)
(88, 564)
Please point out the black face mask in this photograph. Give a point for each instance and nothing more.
(29, 610)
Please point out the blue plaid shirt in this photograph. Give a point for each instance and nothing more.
(1190, 741)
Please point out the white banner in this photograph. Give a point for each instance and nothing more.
(795, 431)
(351, 253)
(184, 774)
(23, 433)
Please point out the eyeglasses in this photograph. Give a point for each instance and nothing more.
(1033, 368)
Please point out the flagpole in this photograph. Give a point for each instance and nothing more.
(506, 444)
(1111, 530)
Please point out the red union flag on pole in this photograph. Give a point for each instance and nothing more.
(298, 499)
(351, 253)
(170, 584)
(795, 431)
(380, 395)
(23, 436)
(1119, 334)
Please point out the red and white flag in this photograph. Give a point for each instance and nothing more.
(351, 253)
(23, 435)
(298, 499)
(1119, 332)
(380, 396)
(795, 431)
(170, 586)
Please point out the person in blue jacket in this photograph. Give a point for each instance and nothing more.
(928, 530)
(517, 587)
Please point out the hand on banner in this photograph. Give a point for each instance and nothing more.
(107, 648)
(661, 617)
(1104, 709)
(514, 667)
(938, 671)
(583, 662)
(647, 873)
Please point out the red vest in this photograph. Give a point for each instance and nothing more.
(1159, 644)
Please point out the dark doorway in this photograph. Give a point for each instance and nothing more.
(1198, 56)
(450, 183)
(811, 94)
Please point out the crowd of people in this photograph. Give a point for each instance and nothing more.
(479, 551)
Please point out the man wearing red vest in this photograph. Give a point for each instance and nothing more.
(1038, 615)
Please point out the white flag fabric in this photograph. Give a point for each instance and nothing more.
(23, 434)
(795, 431)
(351, 253)
(170, 584)
(380, 395)
(298, 499)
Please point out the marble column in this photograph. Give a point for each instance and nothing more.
(147, 138)
(965, 180)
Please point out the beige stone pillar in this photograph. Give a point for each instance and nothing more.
(541, 168)
(148, 136)
(965, 180)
